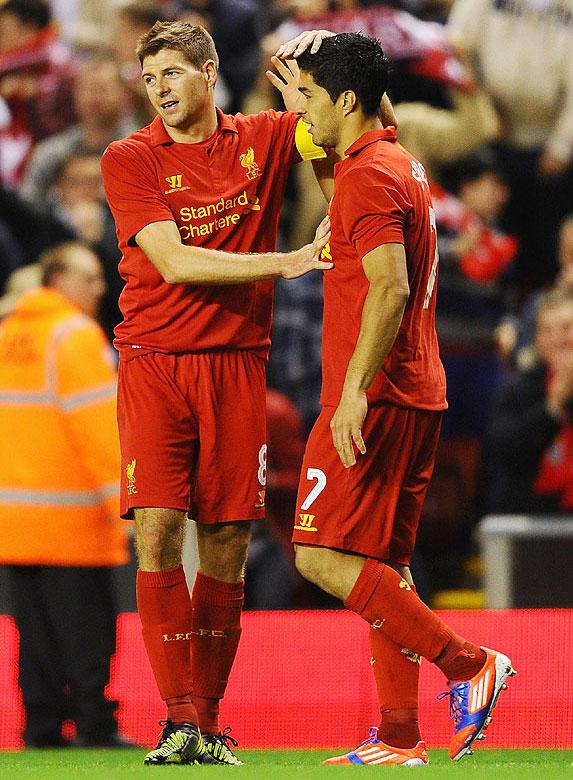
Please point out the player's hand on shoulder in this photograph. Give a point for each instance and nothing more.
(308, 257)
(305, 40)
(346, 426)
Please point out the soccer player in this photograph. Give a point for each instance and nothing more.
(370, 456)
(193, 345)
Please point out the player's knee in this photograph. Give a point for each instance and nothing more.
(223, 550)
(159, 538)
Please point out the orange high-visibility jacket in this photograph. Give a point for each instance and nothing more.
(59, 448)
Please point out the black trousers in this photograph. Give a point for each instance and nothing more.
(66, 618)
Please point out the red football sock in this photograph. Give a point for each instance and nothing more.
(461, 662)
(216, 629)
(396, 671)
(165, 611)
(181, 709)
(383, 598)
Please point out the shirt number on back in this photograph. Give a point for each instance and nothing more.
(320, 477)
(434, 269)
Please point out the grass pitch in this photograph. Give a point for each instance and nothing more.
(281, 765)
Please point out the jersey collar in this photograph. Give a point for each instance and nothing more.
(160, 137)
(371, 137)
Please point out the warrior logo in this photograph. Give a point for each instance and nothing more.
(175, 184)
(305, 522)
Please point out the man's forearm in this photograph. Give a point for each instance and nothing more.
(193, 265)
(381, 318)
(181, 264)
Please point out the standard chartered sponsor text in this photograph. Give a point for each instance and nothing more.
(216, 210)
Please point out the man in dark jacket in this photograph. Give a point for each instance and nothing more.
(531, 427)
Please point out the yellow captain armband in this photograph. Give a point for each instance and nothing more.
(306, 147)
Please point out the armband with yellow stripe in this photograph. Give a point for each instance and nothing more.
(306, 147)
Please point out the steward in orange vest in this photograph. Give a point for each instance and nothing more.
(60, 530)
(59, 448)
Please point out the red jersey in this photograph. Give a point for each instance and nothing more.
(223, 193)
(381, 196)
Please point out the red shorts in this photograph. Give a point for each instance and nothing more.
(193, 431)
(372, 508)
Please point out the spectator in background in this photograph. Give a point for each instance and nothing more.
(104, 112)
(35, 74)
(25, 232)
(515, 336)
(59, 509)
(531, 428)
(523, 50)
(77, 199)
(77, 196)
(474, 260)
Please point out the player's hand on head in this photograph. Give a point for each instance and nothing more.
(309, 39)
(346, 426)
(286, 80)
(308, 257)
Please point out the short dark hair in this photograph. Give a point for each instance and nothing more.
(192, 40)
(350, 61)
(472, 167)
(37, 13)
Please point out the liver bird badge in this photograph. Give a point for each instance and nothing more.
(248, 161)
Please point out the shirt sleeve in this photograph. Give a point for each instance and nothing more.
(373, 210)
(132, 191)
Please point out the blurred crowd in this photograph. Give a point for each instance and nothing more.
(483, 92)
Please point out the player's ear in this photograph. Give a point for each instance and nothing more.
(348, 101)
(209, 71)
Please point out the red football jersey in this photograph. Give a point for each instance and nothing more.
(381, 196)
(223, 193)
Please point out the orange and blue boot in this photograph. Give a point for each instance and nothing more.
(374, 752)
(472, 702)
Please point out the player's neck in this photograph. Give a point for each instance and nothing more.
(197, 130)
(353, 129)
